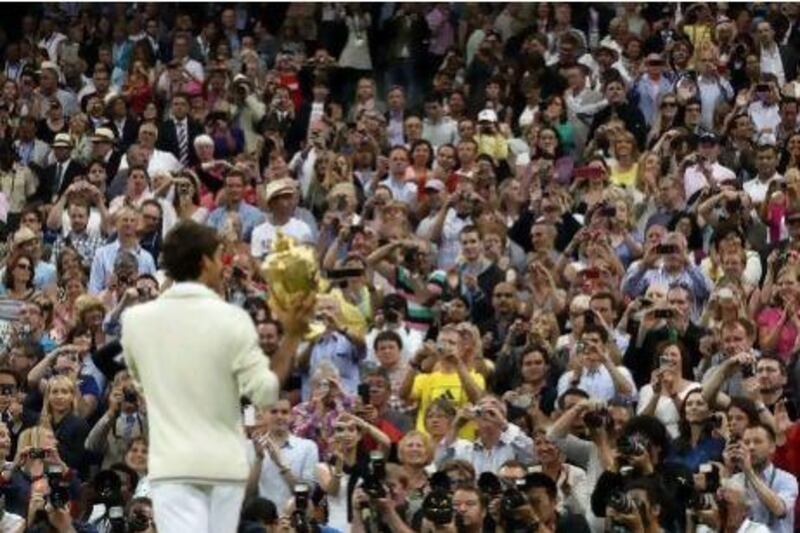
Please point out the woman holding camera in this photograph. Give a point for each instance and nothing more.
(669, 385)
(699, 433)
(37, 453)
(347, 463)
(121, 423)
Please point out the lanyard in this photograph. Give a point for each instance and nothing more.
(771, 481)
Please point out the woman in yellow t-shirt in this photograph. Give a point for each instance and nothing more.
(624, 168)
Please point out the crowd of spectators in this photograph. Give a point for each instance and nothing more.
(562, 243)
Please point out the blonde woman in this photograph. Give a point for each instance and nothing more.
(60, 414)
(415, 454)
(623, 168)
(37, 450)
(620, 227)
(664, 120)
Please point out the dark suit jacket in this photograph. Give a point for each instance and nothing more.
(168, 138)
(128, 135)
(49, 190)
(789, 59)
(112, 165)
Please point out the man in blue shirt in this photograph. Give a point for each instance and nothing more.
(233, 194)
(771, 492)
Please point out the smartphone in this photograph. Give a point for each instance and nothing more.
(363, 393)
(762, 88)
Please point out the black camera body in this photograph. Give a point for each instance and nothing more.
(374, 481)
(59, 487)
(129, 395)
(438, 507)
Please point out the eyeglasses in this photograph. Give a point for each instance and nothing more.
(26, 266)
(669, 104)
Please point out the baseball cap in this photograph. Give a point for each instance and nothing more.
(487, 115)
(434, 184)
(708, 137)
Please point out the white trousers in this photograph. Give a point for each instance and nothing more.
(193, 508)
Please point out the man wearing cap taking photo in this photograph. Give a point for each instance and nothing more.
(704, 170)
(281, 200)
(57, 177)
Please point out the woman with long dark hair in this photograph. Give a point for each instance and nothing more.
(669, 386)
(699, 440)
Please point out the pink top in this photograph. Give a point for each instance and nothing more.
(770, 317)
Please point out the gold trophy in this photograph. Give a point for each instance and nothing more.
(292, 273)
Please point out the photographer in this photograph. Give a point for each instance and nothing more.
(636, 508)
(669, 264)
(497, 439)
(542, 493)
(726, 512)
(439, 371)
(385, 509)
(596, 372)
(124, 420)
(771, 492)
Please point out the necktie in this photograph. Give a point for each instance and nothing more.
(59, 171)
(183, 143)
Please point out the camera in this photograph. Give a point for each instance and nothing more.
(7, 389)
(299, 517)
(129, 395)
(512, 499)
(748, 370)
(663, 313)
(664, 249)
(59, 488)
(116, 518)
(621, 503)
(437, 507)
(597, 418)
(36, 453)
(715, 421)
(710, 473)
(731, 206)
(631, 446)
(376, 475)
(608, 211)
